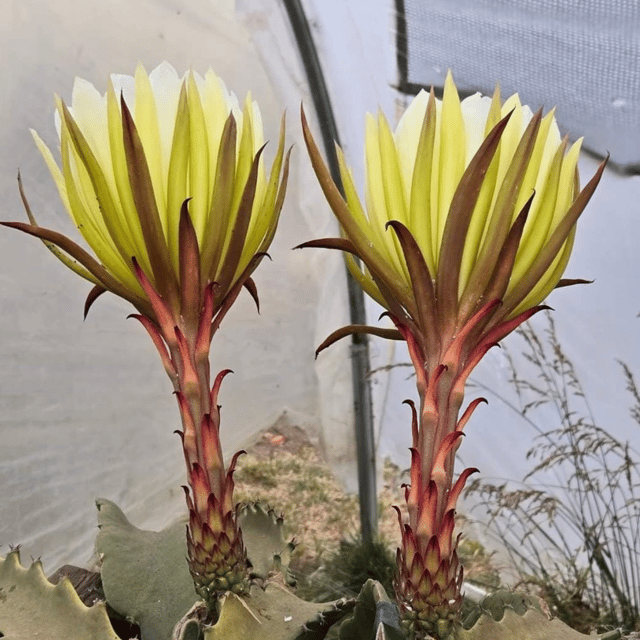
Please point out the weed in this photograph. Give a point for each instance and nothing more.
(577, 547)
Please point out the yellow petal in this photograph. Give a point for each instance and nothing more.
(145, 115)
(200, 178)
(453, 151)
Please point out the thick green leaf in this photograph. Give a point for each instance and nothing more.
(144, 573)
(274, 613)
(531, 626)
(263, 536)
(32, 607)
(504, 615)
(374, 616)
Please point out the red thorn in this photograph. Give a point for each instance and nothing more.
(457, 488)
(414, 422)
(216, 386)
(469, 412)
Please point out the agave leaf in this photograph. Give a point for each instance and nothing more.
(351, 329)
(144, 573)
(30, 606)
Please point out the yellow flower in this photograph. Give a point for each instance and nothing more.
(470, 217)
(164, 178)
(130, 160)
(488, 193)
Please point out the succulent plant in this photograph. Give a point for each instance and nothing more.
(147, 580)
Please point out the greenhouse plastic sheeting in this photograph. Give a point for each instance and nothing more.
(581, 55)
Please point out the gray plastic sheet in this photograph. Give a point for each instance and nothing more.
(582, 55)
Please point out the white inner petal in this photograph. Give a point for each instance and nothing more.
(475, 110)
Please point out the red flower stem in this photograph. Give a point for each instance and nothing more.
(193, 383)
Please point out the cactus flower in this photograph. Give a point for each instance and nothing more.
(164, 178)
(469, 221)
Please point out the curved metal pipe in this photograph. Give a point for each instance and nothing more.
(363, 412)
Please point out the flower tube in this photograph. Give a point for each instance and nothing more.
(468, 224)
